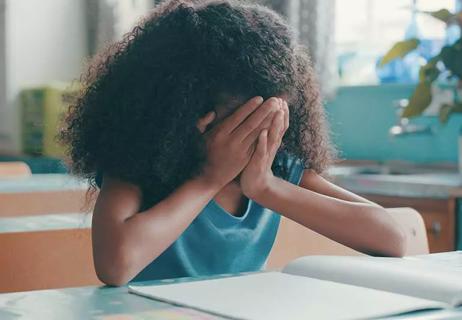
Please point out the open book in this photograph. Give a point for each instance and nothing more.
(325, 287)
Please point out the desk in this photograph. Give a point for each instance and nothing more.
(102, 302)
(46, 251)
(41, 194)
(45, 222)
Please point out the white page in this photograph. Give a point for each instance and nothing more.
(409, 276)
(276, 296)
(451, 259)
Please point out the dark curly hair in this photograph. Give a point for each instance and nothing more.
(135, 117)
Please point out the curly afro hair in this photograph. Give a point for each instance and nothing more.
(135, 117)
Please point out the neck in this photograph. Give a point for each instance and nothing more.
(234, 184)
(231, 198)
(232, 188)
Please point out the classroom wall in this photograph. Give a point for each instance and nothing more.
(44, 41)
(361, 116)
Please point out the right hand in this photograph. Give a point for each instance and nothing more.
(231, 143)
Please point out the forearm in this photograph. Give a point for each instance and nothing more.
(123, 249)
(360, 225)
(315, 182)
(163, 223)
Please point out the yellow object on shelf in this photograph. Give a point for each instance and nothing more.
(41, 110)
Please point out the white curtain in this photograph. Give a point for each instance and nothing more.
(313, 21)
(4, 137)
(314, 24)
(109, 20)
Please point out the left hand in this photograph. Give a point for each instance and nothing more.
(257, 175)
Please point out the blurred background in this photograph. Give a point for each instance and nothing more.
(390, 72)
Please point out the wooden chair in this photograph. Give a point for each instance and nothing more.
(14, 169)
(294, 241)
(414, 227)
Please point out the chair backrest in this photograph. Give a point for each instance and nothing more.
(14, 169)
(294, 241)
(46, 259)
(414, 227)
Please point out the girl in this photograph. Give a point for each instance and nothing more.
(184, 125)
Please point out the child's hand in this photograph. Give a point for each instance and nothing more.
(257, 175)
(231, 143)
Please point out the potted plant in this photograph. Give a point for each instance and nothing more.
(445, 66)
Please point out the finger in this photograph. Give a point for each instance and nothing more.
(253, 136)
(276, 139)
(286, 116)
(260, 151)
(203, 122)
(235, 119)
(274, 135)
(266, 124)
(255, 119)
(251, 148)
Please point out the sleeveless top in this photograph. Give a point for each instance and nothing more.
(217, 242)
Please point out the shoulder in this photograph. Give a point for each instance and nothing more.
(292, 167)
(113, 183)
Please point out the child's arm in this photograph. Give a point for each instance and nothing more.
(318, 204)
(361, 225)
(314, 182)
(124, 242)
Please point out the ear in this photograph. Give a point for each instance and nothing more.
(203, 122)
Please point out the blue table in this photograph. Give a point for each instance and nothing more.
(87, 303)
(115, 303)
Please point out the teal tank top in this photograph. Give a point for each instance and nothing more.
(217, 242)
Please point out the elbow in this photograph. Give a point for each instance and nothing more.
(112, 279)
(387, 238)
(400, 243)
(397, 246)
(396, 241)
(114, 271)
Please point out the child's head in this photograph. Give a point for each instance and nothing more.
(142, 97)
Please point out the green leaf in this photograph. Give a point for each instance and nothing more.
(445, 112)
(452, 58)
(457, 107)
(420, 100)
(429, 72)
(443, 15)
(399, 50)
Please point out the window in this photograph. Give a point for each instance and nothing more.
(366, 29)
